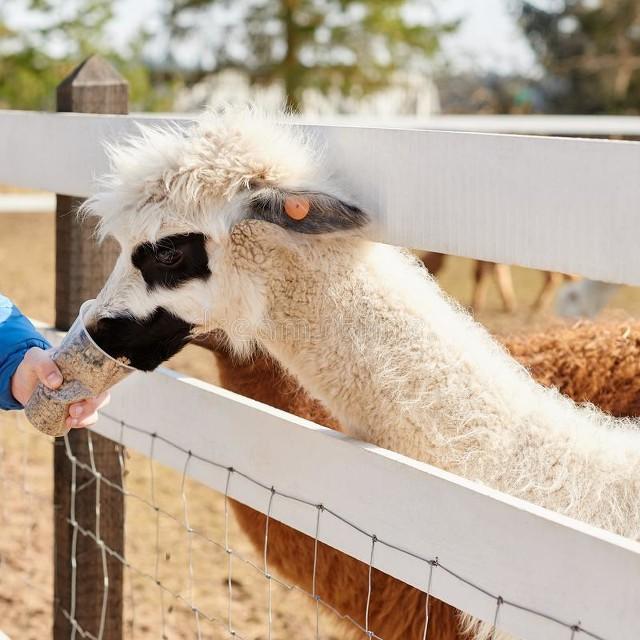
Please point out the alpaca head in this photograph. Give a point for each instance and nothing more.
(191, 210)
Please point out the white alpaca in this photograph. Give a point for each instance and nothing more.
(584, 299)
(357, 323)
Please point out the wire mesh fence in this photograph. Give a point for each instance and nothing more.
(190, 572)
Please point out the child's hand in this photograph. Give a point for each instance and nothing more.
(37, 366)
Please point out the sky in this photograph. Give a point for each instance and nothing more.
(487, 40)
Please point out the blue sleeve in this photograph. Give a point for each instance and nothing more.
(17, 336)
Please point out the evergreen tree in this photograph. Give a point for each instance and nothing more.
(590, 52)
(34, 60)
(352, 46)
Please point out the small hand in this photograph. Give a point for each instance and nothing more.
(37, 366)
(85, 412)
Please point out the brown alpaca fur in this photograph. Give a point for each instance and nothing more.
(596, 362)
(590, 362)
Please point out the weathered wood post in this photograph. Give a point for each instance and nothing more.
(81, 269)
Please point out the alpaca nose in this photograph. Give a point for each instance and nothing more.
(145, 342)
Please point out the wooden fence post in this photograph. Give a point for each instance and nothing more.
(81, 269)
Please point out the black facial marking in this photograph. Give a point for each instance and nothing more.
(146, 343)
(326, 213)
(172, 260)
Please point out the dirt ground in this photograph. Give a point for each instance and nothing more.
(27, 276)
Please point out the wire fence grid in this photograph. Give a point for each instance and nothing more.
(189, 573)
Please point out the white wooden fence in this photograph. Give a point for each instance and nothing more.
(564, 204)
(558, 204)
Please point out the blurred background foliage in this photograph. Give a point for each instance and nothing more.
(30, 68)
(590, 54)
(586, 53)
(352, 46)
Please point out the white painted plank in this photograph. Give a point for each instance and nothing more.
(526, 554)
(27, 203)
(553, 203)
(561, 204)
(547, 125)
(59, 152)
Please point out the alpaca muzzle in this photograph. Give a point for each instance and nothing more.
(145, 342)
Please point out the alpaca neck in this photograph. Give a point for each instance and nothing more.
(402, 367)
(381, 341)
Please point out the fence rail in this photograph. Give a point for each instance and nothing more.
(559, 204)
(546, 125)
(554, 575)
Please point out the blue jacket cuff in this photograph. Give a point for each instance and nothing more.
(8, 368)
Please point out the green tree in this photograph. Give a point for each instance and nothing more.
(590, 52)
(31, 68)
(353, 46)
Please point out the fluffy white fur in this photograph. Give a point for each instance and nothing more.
(171, 177)
(358, 324)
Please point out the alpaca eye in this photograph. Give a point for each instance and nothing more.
(168, 257)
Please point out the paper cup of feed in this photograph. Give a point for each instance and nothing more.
(87, 371)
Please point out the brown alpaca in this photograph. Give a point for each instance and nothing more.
(482, 272)
(590, 362)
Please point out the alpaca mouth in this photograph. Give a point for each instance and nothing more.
(145, 342)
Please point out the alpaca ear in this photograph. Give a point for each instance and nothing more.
(305, 211)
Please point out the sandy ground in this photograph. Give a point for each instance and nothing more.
(27, 276)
